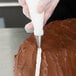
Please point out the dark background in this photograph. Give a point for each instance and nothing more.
(13, 16)
(65, 9)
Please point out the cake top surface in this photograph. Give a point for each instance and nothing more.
(59, 51)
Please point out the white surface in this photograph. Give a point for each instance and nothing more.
(10, 40)
(9, 4)
(6, 63)
(38, 62)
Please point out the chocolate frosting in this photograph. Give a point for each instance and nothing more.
(58, 51)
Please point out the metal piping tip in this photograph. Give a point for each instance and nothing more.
(38, 40)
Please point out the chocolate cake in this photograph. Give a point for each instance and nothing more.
(58, 51)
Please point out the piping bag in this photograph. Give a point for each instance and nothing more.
(37, 20)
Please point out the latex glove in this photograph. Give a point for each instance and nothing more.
(46, 6)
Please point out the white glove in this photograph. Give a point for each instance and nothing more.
(46, 6)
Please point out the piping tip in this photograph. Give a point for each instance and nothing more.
(38, 40)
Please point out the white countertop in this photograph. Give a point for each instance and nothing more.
(10, 40)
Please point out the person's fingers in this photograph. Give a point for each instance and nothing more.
(29, 28)
(50, 9)
(42, 4)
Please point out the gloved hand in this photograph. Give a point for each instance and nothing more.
(46, 6)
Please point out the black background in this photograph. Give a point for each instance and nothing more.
(13, 16)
